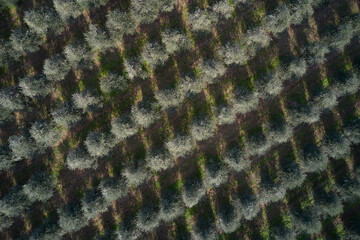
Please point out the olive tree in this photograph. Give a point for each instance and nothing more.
(171, 205)
(180, 145)
(335, 145)
(45, 133)
(270, 191)
(86, 101)
(290, 174)
(5, 158)
(202, 128)
(159, 160)
(22, 147)
(215, 175)
(11, 99)
(229, 216)
(123, 127)
(119, 23)
(256, 142)
(328, 203)
(35, 86)
(71, 218)
(244, 100)
(136, 173)
(44, 21)
(270, 85)
(236, 158)
(5, 222)
(78, 55)
(211, 70)
(233, 53)
(93, 204)
(25, 41)
(204, 229)
(98, 39)
(224, 114)
(278, 130)
(278, 21)
(249, 204)
(175, 41)
(99, 144)
(166, 5)
(113, 188)
(148, 217)
(200, 21)
(154, 54)
(79, 158)
(144, 14)
(14, 203)
(92, 4)
(40, 187)
(190, 85)
(67, 9)
(306, 221)
(144, 113)
(313, 158)
(7, 54)
(66, 116)
(222, 9)
(56, 68)
(352, 130)
(134, 68)
(4, 4)
(113, 82)
(168, 98)
(193, 190)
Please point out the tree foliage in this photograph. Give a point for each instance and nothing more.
(193, 190)
(40, 187)
(229, 216)
(11, 99)
(123, 127)
(22, 147)
(44, 21)
(25, 41)
(200, 21)
(86, 100)
(113, 82)
(45, 133)
(190, 85)
(36, 86)
(99, 144)
(78, 55)
(149, 216)
(159, 160)
(313, 158)
(168, 98)
(91, 4)
(93, 204)
(136, 173)
(154, 55)
(244, 100)
(306, 221)
(233, 53)
(175, 41)
(66, 116)
(119, 23)
(171, 205)
(202, 128)
(113, 188)
(71, 218)
(236, 158)
(215, 174)
(79, 158)
(56, 68)
(67, 9)
(134, 68)
(14, 203)
(224, 114)
(211, 70)
(144, 113)
(144, 14)
(98, 39)
(180, 145)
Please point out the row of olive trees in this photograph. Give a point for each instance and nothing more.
(246, 206)
(40, 187)
(258, 38)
